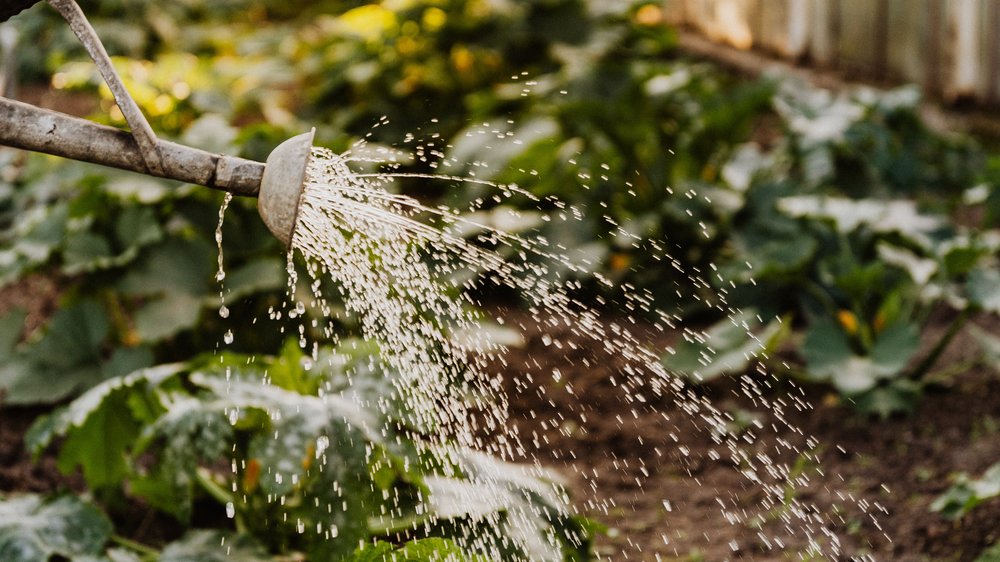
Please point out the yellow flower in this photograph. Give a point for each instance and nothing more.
(649, 15)
(251, 476)
(848, 321)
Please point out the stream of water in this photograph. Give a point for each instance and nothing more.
(408, 275)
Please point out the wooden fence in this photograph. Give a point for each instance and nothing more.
(950, 47)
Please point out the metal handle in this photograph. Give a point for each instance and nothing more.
(143, 133)
(41, 130)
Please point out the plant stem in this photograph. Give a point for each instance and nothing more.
(144, 550)
(932, 356)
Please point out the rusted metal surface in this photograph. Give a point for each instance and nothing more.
(41, 130)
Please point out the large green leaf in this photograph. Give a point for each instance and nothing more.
(214, 546)
(829, 356)
(11, 327)
(265, 274)
(98, 427)
(33, 529)
(167, 316)
(173, 266)
(423, 550)
(74, 336)
(730, 346)
(967, 493)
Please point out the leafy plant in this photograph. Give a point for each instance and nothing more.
(33, 528)
(313, 473)
(966, 493)
(727, 347)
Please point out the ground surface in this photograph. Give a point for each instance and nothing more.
(622, 466)
(900, 465)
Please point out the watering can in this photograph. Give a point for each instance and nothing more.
(277, 184)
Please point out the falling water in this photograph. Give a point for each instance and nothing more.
(408, 275)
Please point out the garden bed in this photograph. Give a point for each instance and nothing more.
(902, 464)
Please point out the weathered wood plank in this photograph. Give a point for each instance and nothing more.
(857, 44)
(823, 31)
(907, 42)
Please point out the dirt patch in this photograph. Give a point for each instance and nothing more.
(657, 478)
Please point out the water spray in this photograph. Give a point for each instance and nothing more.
(277, 183)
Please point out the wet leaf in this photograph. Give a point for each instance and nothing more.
(33, 529)
(214, 546)
(423, 550)
(730, 346)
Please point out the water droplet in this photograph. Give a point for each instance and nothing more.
(223, 311)
(228, 337)
(230, 510)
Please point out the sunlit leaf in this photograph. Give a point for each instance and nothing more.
(214, 546)
(33, 529)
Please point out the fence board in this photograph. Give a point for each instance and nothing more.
(857, 42)
(950, 47)
(908, 38)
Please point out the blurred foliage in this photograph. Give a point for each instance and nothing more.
(832, 211)
(967, 492)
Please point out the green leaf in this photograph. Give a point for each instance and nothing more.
(730, 346)
(137, 227)
(422, 550)
(102, 402)
(214, 546)
(11, 327)
(983, 286)
(894, 347)
(174, 266)
(991, 554)
(829, 356)
(26, 382)
(84, 252)
(167, 316)
(515, 510)
(896, 396)
(33, 529)
(825, 349)
(967, 493)
(74, 336)
(265, 274)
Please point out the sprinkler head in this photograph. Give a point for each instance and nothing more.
(282, 184)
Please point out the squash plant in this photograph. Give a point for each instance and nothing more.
(295, 456)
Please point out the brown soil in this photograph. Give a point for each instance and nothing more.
(892, 469)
